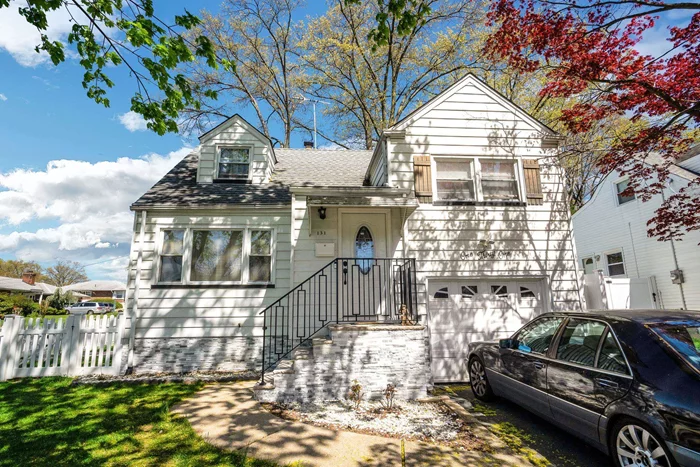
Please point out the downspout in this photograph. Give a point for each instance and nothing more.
(634, 251)
(675, 259)
(137, 283)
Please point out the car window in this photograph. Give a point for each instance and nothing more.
(579, 341)
(611, 358)
(537, 336)
(684, 337)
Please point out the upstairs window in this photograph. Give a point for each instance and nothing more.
(455, 179)
(234, 163)
(619, 188)
(475, 179)
(498, 180)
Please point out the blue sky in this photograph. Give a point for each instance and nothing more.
(69, 168)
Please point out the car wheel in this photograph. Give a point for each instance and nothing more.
(89, 312)
(478, 381)
(634, 443)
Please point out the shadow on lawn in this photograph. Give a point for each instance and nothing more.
(49, 422)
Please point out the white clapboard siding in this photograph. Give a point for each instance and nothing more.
(602, 226)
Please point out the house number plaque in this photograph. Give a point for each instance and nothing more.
(487, 254)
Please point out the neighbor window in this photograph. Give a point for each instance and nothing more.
(234, 163)
(498, 180)
(455, 179)
(216, 255)
(619, 188)
(171, 256)
(616, 266)
(475, 179)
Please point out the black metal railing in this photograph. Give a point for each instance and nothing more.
(345, 290)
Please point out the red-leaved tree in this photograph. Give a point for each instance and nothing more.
(590, 49)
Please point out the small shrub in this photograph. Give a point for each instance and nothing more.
(18, 304)
(356, 393)
(389, 394)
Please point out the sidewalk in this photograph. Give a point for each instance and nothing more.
(227, 416)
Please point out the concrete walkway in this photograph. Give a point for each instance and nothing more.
(227, 416)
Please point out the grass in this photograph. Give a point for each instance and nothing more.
(516, 439)
(49, 422)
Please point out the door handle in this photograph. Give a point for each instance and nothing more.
(606, 383)
(539, 365)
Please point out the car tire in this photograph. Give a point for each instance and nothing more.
(478, 381)
(632, 442)
(89, 312)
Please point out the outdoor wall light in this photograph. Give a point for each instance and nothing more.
(322, 212)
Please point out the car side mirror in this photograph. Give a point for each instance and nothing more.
(505, 343)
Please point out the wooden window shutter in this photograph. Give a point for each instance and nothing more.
(533, 182)
(423, 178)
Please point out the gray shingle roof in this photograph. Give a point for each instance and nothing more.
(318, 167)
(295, 167)
(96, 285)
(179, 188)
(13, 284)
(656, 159)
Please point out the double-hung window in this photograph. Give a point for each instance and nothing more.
(234, 163)
(455, 179)
(498, 180)
(200, 256)
(619, 188)
(171, 254)
(616, 264)
(475, 179)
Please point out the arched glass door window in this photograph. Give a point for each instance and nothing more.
(364, 248)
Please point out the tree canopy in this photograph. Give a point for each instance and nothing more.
(65, 273)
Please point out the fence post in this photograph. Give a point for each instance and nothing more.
(73, 355)
(8, 347)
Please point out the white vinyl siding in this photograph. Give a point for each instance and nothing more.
(602, 226)
(187, 311)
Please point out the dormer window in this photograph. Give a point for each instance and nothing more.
(234, 164)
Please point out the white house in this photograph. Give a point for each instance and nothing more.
(611, 236)
(458, 220)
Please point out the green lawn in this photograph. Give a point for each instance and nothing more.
(49, 422)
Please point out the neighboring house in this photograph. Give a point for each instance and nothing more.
(611, 236)
(462, 198)
(99, 289)
(27, 285)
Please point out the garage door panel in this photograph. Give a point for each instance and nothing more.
(464, 311)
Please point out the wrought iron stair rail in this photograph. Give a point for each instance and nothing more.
(343, 291)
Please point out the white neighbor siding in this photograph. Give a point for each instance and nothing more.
(475, 122)
(602, 226)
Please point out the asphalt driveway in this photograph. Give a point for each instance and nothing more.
(516, 426)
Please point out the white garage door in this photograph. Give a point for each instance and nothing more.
(463, 311)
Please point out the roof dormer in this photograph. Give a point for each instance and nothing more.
(235, 151)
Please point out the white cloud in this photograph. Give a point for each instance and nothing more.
(19, 38)
(89, 200)
(3, 97)
(133, 121)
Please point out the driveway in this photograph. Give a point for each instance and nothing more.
(515, 424)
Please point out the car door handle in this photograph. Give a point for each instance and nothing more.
(539, 365)
(606, 383)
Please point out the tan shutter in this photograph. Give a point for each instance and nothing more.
(423, 178)
(533, 182)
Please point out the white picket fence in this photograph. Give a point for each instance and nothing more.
(77, 345)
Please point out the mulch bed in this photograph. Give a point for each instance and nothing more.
(159, 378)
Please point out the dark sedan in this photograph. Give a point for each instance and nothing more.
(628, 381)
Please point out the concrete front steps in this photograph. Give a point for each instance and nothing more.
(373, 354)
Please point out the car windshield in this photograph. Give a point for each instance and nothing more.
(684, 337)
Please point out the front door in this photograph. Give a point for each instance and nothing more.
(364, 281)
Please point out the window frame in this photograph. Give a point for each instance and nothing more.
(477, 174)
(245, 255)
(160, 240)
(217, 160)
(617, 193)
(607, 264)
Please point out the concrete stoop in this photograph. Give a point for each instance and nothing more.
(373, 354)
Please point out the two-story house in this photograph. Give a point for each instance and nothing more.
(611, 237)
(457, 220)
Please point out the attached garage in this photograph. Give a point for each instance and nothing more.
(463, 311)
